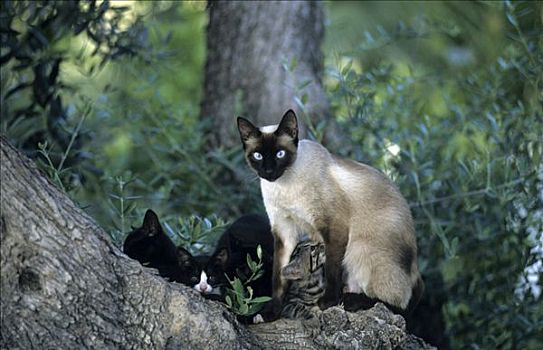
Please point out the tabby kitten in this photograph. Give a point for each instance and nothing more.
(305, 271)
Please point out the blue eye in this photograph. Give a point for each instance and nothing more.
(281, 154)
(257, 156)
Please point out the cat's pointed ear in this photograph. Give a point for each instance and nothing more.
(151, 225)
(246, 129)
(222, 256)
(288, 125)
(184, 258)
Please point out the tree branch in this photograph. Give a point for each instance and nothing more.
(65, 285)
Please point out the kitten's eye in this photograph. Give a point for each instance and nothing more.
(257, 156)
(281, 154)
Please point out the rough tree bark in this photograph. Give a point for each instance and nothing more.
(64, 285)
(248, 44)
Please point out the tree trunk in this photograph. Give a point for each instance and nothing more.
(260, 56)
(66, 286)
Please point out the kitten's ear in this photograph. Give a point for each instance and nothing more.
(292, 272)
(288, 125)
(184, 258)
(246, 129)
(151, 225)
(222, 256)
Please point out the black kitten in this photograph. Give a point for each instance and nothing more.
(206, 274)
(153, 248)
(230, 257)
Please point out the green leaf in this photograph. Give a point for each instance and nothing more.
(238, 286)
(511, 18)
(244, 309)
(454, 246)
(299, 103)
(263, 299)
(250, 263)
(259, 252)
(347, 67)
(305, 98)
(258, 274)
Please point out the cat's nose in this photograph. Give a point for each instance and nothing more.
(268, 171)
(203, 287)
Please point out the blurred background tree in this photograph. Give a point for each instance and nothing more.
(445, 97)
(277, 41)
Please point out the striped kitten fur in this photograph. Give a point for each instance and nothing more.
(305, 271)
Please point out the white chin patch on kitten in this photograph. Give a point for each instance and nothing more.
(202, 286)
(258, 319)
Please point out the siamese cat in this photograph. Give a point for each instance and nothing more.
(361, 217)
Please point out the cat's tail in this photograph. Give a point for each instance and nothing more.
(416, 295)
(355, 301)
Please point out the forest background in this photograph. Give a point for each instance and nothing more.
(445, 97)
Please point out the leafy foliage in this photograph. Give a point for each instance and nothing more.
(119, 122)
(239, 297)
(195, 233)
(150, 131)
(34, 52)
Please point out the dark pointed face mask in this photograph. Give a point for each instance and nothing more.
(270, 152)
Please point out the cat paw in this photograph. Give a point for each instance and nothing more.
(357, 301)
(325, 302)
(270, 312)
(258, 319)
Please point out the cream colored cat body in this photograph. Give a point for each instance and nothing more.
(319, 187)
(354, 209)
